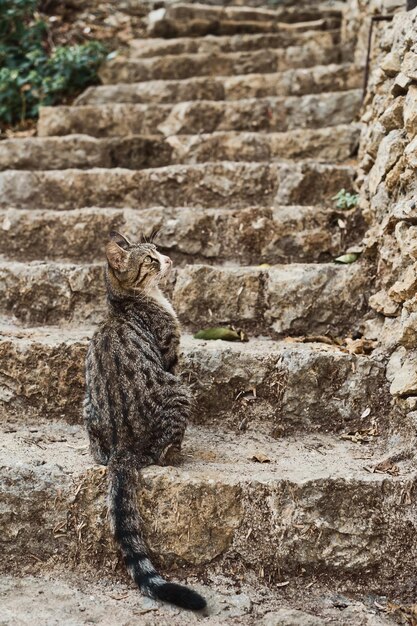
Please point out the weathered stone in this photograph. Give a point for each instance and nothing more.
(85, 152)
(212, 185)
(392, 118)
(232, 494)
(406, 286)
(333, 144)
(183, 20)
(49, 292)
(268, 114)
(299, 516)
(298, 298)
(182, 66)
(88, 599)
(371, 137)
(391, 64)
(402, 373)
(411, 153)
(337, 143)
(287, 36)
(296, 82)
(240, 289)
(406, 237)
(409, 65)
(251, 236)
(83, 599)
(283, 299)
(407, 335)
(382, 303)
(43, 374)
(401, 84)
(391, 148)
(410, 111)
(337, 305)
(292, 617)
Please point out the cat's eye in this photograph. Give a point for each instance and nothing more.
(148, 259)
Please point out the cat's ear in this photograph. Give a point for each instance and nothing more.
(121, 241)
(117, 256)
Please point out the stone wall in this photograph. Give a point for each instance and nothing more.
(388, 192)
(356, 25)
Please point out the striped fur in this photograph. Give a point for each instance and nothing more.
(136, 408)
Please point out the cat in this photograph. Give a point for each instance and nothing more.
(136, 408)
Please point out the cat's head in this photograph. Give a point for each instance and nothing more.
(137, 267)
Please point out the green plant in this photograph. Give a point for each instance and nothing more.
(346, 200)
(31, 73)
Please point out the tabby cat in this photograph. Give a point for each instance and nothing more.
(136, 408)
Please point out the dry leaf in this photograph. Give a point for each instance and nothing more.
(386, 467)
(247, 394)
(223, 333)
(259, 457)
(360, 346)
(403, 614)
(365, 435)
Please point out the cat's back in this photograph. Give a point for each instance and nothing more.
(121, 335)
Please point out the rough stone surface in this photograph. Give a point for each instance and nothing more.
(57, 598)
(250, 236)
(290, 36)
(388, 191)
(180, 66)
(296, 82)
(297, 488)
(50, 292)
(338, 143)
(279, 300)
(255, 386)
(283, 299)
(282, 516)
(188, 118)
(224, 184)
(184, 20)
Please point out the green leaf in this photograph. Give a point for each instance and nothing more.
(223, 333)
(351, 257)
(24, 63)
(345, 199)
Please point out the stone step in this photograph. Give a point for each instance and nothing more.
(279, 300)
(256, 3)
(313, 509)
(273, 387)
(179, 66)
(334, 144)
(287, 36)
(202, 11)
(298, 82)
(249, 236)
(205, 116)
(213, 185)
(85, 598)
(184, 20)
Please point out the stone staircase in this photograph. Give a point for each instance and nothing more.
(230, 129)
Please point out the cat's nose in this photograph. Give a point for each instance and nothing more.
(167, 260)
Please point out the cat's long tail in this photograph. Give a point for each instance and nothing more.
(127, 529)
